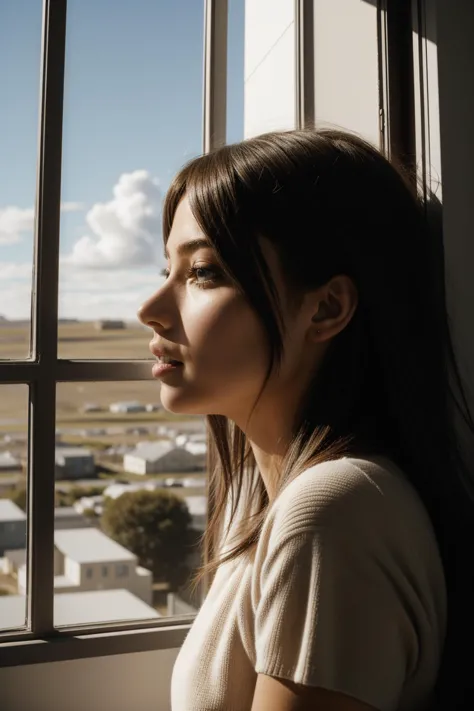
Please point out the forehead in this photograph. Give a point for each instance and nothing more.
(184, 225)
(185, 235)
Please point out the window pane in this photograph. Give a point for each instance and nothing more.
(113, 438)
(13, 518)
(132, 118)
(20, 50)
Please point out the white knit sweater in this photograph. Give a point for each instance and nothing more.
(345, 591)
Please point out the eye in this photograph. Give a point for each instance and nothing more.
(204, 275)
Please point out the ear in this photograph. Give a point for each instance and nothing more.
(334, 305)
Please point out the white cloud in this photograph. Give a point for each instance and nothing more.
(72, 206)
(15, 270)
(126, 229)
(15, 300)
(117, 294)
(123, 241)
(14, 221)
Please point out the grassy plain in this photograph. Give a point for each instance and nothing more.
(82, 340)
(78, 340)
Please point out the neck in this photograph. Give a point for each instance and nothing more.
(269, 438)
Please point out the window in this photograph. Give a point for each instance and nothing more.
(13, 504)
(110, 142)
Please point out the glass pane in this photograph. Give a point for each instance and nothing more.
(20, 54)
(132, 118)
(113, 438)
(13, 491)
(235, 70)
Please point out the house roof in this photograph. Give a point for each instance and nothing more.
(152, 451)
(81, 608)
(8, 460)
(89, 545)
(196, 447)
(73, 452)
(10, 511)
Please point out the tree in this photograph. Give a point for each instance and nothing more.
(155, 526)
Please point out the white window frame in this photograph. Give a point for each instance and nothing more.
(39, 641)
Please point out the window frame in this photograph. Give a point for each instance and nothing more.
(42, 370)
(41, 641)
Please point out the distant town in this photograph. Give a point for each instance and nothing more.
(112, 438)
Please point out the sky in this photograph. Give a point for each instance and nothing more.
(132, 118)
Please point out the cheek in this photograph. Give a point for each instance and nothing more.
(228, 339)
(227, 355)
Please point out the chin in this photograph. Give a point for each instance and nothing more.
(178, 403)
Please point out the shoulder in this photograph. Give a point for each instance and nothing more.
(347, 494)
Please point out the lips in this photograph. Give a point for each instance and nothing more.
(164, 355)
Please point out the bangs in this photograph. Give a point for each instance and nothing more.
(225, 198)
(209, 182)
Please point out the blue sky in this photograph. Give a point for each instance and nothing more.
(132, 117)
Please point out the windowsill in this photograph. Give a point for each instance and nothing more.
(66, 646)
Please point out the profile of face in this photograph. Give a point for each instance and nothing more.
(202, 320)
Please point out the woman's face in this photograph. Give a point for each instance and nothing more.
(200, 319)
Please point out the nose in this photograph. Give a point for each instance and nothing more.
(153, 314)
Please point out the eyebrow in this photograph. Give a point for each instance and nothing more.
(191, 246)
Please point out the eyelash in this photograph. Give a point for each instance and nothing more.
(192, 272)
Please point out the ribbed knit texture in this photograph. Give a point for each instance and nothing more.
(345, 591)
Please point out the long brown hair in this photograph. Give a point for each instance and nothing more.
(330, 204)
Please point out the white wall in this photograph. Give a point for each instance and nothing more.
(269, 72)
(427, 99)
(127, 682)
(72, 571)
(136, 465)
(346, 66)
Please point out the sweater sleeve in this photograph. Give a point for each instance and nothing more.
(332, 610)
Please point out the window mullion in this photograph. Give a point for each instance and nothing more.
(42, 412)
(304, 47)
(215, 74)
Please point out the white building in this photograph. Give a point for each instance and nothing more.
(66, 517)
(87, 559)
(194, 481)
(155, 457)
(116, 490)
(109, 325)
(93, 606)
(12, 526)
(199, 452)
(127, 407)
(8, 462)
(74, 463)
(197, 506)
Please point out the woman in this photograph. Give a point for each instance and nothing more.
(303, 312)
